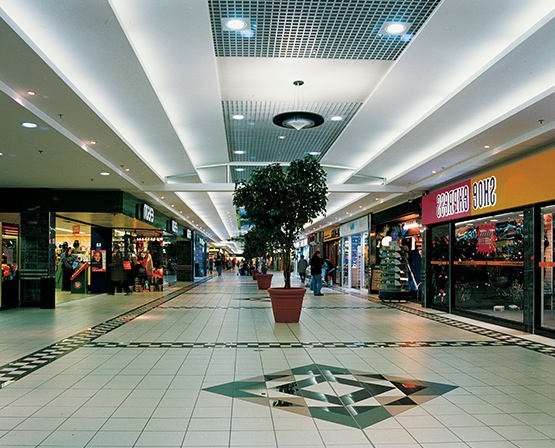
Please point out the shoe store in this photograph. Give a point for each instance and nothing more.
(489, 246)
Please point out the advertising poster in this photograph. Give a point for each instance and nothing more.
(98, 261)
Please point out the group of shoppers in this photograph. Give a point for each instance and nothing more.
(320, 269)
(124, 271)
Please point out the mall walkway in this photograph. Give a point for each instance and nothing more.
(204, 365)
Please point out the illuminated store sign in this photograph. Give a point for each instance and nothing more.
(330, 235)
(526, 182)
(146, 213)
(172, 226)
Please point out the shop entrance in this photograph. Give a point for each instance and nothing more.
(354, 261)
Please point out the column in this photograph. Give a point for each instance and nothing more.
(38, 256)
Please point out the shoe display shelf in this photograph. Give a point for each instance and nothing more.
(394, 272)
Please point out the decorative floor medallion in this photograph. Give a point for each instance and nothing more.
(348, 397)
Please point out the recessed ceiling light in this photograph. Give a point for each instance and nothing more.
(238, 117)
(336, 118)
(394, 28)
(104, 173)
(239, 152)
(93, 142)
(29, 125)
(314, 153)
(235, 24)
(31, 93)
(434, 171)
(486, 146)
(162, 197)
(239, 169)
(126, 169)
(282, 137)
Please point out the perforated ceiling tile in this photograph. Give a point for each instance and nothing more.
(339, 29)
(259, 140)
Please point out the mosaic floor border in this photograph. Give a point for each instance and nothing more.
(21, 367)
(379, 345)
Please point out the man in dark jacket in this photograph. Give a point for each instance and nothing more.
(116, 270)
(316, 264)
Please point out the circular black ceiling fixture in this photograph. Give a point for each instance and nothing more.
(298, 120)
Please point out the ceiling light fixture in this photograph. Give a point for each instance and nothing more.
(235, 24)
(336, 118)
(104, 173)
(394, 28)
(29, 125)
(298, 119)
(239, 152)
(238, 117)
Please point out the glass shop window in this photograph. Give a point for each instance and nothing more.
(439, 266)
(488, 266)
(546, 265)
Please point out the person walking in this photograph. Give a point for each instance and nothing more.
(330, 272)
(218, 265)
(117, 272)
(68, 264)
(316, 264)
(301, 269)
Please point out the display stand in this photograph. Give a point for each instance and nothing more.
(79, 280)
(394, 273)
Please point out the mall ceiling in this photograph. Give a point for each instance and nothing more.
(145, 91)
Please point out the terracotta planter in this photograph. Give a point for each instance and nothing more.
(254, 273)
(287, 304)
(264, 280)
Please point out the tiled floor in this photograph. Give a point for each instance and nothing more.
(204, 365)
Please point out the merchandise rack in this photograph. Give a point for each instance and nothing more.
(394, 271)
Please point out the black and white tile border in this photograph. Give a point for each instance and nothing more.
(18, 369)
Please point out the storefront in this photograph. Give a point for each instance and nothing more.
(200, 256)
(9, 286)
(489, 246)
(397, 229)
(354, 267)
(89, 222)
(331, 251)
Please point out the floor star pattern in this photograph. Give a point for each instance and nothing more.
(348, 397)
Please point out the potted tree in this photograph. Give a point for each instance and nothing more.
(280, 203)
(256, 246)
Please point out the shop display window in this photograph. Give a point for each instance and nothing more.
(546, 266)
(488, 266)
(439, 266)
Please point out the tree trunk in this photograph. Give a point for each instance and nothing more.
(287, 268)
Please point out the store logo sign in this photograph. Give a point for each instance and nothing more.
(173, 226)
(452, 202)
(484, 193)
(146, 213)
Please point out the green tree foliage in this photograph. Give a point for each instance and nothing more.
(281, 202)
(256, 243)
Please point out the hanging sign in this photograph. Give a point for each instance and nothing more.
(76, 229)
(486, 239)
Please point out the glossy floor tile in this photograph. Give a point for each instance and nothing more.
(205, 365)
